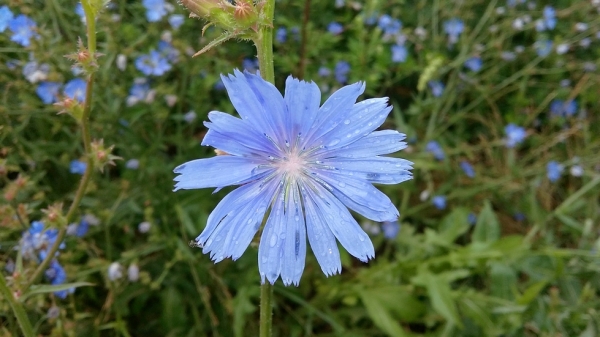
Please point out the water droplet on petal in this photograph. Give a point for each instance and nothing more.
(361, 237)
(347, 121)
(273, 241)
(333, 142)
(342, 184)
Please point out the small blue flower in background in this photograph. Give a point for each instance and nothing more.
(389, 25)
(75, 89)
(390, 229)
(474, 63)
(80, 229)
(77, 167)
(434, 148)
(335, 28)
(564, 109)
(306, 164)
(48, 92)
(519, 216)
(5, 17)
(341, 70)
(176, 20)
(250, 64)
(219, 86)
(35, 72)
(324, 71)
(513, 3)
(281, 35)
(467, 169)
(115, 271)
(79, 11)
(543, 47)
(370, 19)
(133, 272)
(132, 164)
(399, 53)
(56, 274)
(472, 219)
(339, 3)
(553, 170)
(453, 27)
(167, 50)
(514, 135)
(138, 92)
(153, 64)
(155, 9)
(439, 202)
(548, 21)
(437, 88)
(23, 29)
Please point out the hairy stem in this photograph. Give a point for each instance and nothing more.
(16, 307)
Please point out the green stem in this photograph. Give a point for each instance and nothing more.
(266, 309)
(87, 140)
(264, 48)
(16, 308)
(264, 43)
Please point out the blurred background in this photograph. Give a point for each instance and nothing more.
(499, 229)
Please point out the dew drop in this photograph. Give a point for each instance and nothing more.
(273, 241)
(347, 121)
(342, 184)
(334, 142)
(218, 238)
(361, 237)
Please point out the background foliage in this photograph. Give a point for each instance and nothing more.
(510, 249)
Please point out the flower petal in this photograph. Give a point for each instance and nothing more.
(208, 172)
(234, 231)
(358, 195)
(342, 224)
(270, 252)
(302, 100)
(240, 212)
(376, 143)
(253, 102)
(333, 112)
(383, 170)
(294, 246)
(358, 122)
(239, 131)
(321, 238)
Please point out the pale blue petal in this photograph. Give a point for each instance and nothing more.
(358, 195)
(273, 105)
(376, 143)
(270, 250)
(302, 100)
(358, 122)
(238, 130)
(321, 238)
(383, 170)
(342, 224)
(253, 109)
(294, 246)
(208, 172)
(233, 233)
(333, 112)
(243, 210)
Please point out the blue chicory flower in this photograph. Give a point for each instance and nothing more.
(437, 88)
(549, 17)
(176, 20)
(281, 35)
(250, 64)
(5, 17)
(154, 63)
(389, 25)
(324, 71)
(399, 53)
(303, 162)
(554, 170)
(453, 27)
(155, 9)
(23, 29)
(48, 92)
(57, 275)
(467, 169)
(390, 229)
(471, 219)
(138, 92)
(77, 167)
(341, 70)
(514, 135)
(434, 148)
(75, 89)
(79, 10)
(335, 28)
(543, 47)
(167, 50)
(439, 202)
(565, 109)
(474, 63)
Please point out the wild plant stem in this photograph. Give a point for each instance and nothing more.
(264, 48)
(17, 308)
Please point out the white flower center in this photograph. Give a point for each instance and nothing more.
(291, 164)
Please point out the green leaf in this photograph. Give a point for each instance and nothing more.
(531, 292)
(440, 295)
(185, 219)
(487, 228)
(454, 225)
(381, 316)
(47, 288)
(504, 280)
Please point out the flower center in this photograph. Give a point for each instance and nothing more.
(291, 164)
